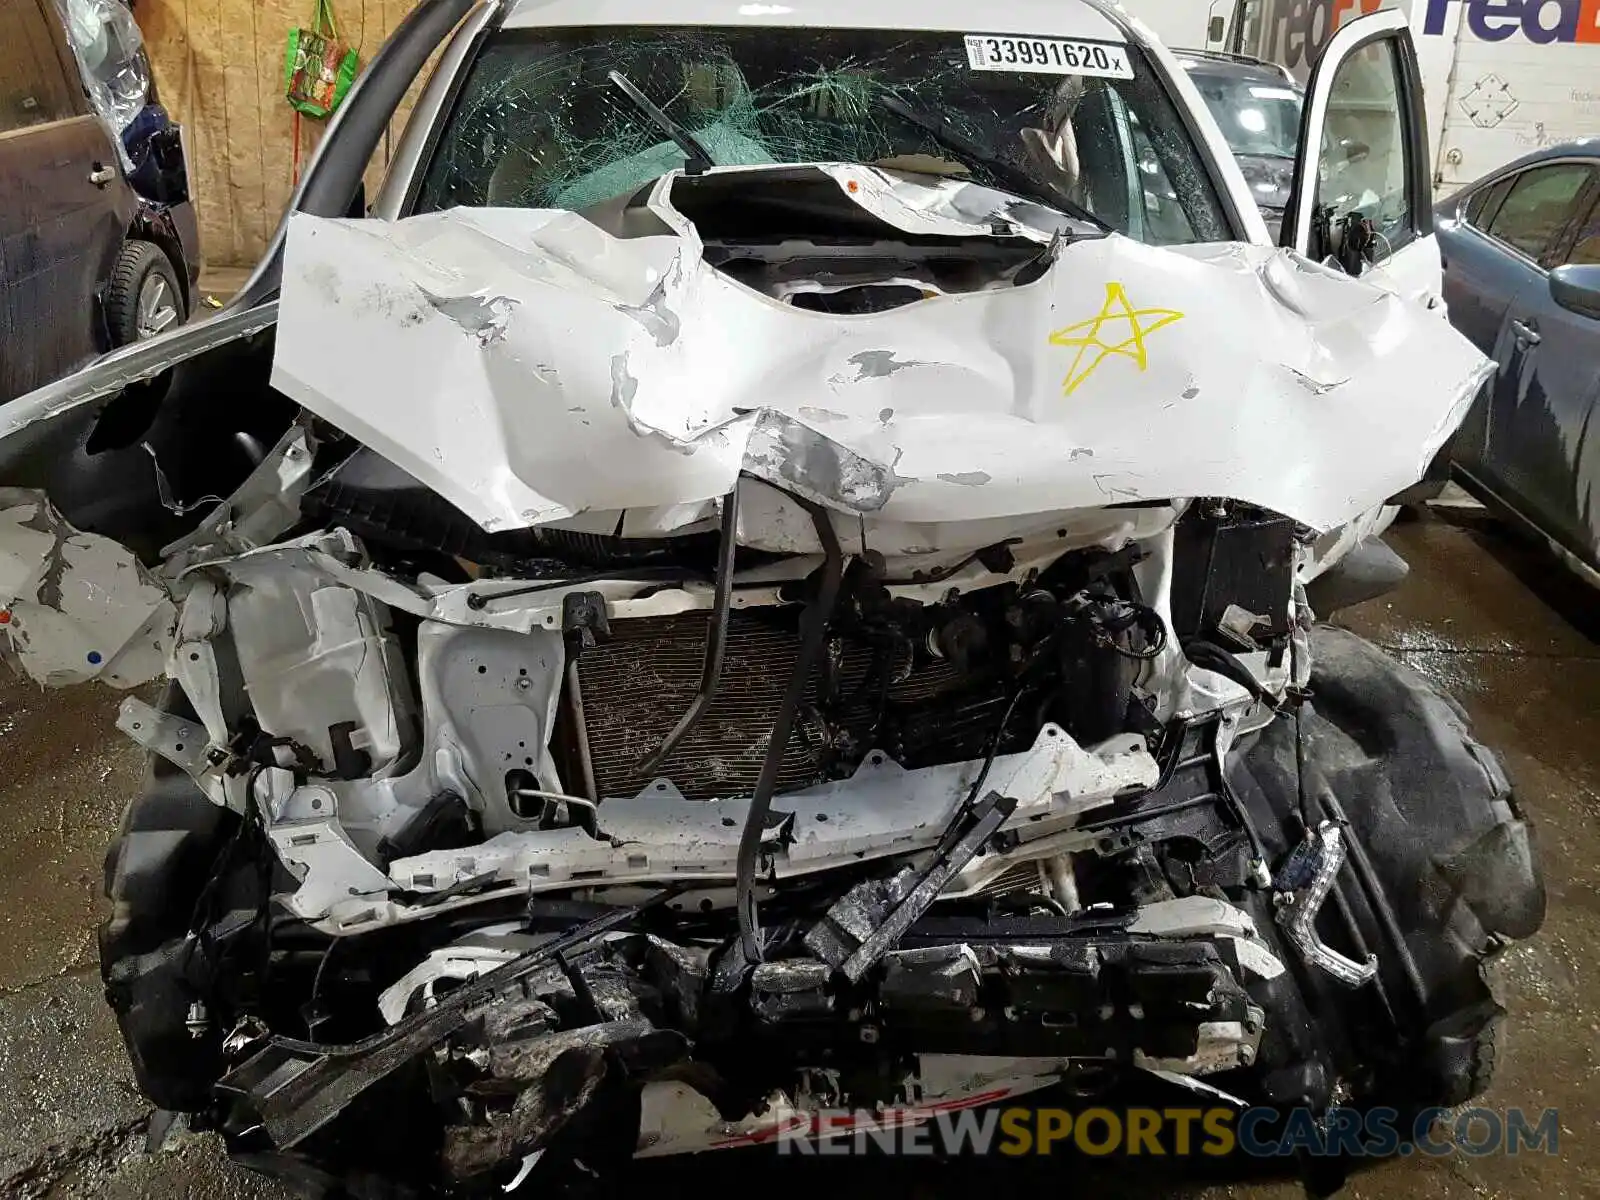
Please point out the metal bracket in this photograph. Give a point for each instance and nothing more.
(194, 659)
(584, 615)
(297, 1087)
(1324, 851)
(181, 742)
(868, 921)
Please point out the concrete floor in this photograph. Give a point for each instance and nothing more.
(1516, 641)
(220, 283)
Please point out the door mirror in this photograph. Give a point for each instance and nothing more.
(1577, 289)
(1216, 31)
(1361, 188)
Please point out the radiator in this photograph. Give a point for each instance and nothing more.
(638, 683)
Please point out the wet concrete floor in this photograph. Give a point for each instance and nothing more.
(1515, 640)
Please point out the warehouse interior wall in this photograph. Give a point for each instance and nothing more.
(219, 69)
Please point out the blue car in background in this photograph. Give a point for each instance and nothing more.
(1521, 251)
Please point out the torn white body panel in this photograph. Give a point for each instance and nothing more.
(530, 367)
(880, 812)
(309, 625)
(76, 606)
(133, 363)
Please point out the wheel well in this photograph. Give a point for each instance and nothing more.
(144, 228)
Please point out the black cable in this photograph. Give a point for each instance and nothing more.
(716, 639)
(200, 915)
(1299, 738)
(817, 615)
(1240, 809)
(1149, 622)
(481, 600)
(264, 858)
(991, 752)
(1144, 816)
(1211, 657)
(316, 990)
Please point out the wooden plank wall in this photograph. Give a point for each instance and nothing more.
(219, 68)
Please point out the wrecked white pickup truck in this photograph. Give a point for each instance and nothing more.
(776, 571)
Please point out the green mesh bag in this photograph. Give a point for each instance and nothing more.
(318, 69)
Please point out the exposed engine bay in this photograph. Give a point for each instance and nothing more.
(747, 764)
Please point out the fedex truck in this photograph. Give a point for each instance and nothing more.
(1500, 77)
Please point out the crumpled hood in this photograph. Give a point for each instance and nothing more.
(529, 366)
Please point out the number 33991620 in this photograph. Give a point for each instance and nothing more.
(1051, 55)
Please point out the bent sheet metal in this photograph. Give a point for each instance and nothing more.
(530, 366)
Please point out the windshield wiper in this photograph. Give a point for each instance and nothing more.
(696, 159)
(1013, 179)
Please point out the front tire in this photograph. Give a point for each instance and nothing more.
(1447, 873)
(143, 298)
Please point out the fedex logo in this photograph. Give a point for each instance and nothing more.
(1540, 21)
(1294, 32)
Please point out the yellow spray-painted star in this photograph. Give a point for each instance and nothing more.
(1094, 348)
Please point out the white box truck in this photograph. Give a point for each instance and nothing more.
(1500, 77)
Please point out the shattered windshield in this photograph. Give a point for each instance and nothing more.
(1256, 117)
(541, 124)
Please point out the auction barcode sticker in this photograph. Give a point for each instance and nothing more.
(1050, 56)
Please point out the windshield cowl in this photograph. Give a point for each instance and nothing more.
(913, 202)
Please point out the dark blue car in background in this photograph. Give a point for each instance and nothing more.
(99, 245)
(1521, 251)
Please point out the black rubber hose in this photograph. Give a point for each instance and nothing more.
(716, 637)
(815, 621)
(1211, 657)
